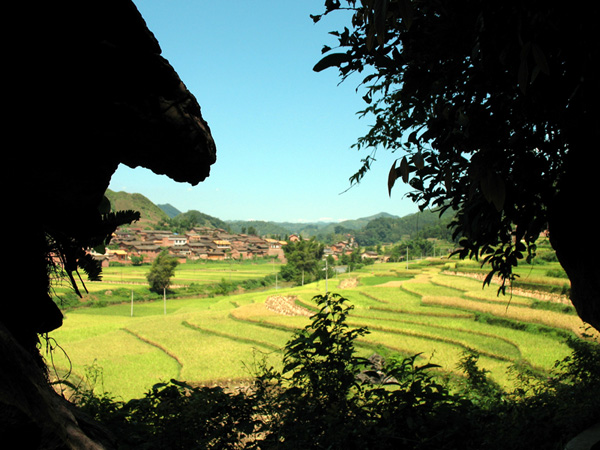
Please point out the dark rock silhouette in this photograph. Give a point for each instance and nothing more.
(86, 90)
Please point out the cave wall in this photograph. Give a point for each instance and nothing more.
(86, 89)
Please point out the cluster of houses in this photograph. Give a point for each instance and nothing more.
(201, 243)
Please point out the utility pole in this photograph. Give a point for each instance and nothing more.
(276, 273)
(132, 303)
(326, 277)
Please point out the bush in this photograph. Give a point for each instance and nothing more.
(67, 300)
(315, 403)
(176, 415)
(557, 273)
(326, 397)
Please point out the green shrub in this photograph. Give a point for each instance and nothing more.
(557, 273)
(316, 402)
(67, 300)
(176, 415)
(329, 398)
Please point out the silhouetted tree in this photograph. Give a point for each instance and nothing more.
(493, 108)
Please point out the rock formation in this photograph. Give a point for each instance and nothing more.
(87, 89)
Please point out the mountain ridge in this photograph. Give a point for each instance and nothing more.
(153, 215)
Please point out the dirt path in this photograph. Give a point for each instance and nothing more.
(348, 283)
(286, 306)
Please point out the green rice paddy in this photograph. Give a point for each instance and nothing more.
(222, 339)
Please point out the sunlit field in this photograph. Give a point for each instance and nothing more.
(123, 349)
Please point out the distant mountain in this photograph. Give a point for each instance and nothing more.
(149, 212)
(261, 227)
(356, 224)
(370, 230)
(306, 229)
(385, 229)
(152, 215)
(169, 210)
(195, 218)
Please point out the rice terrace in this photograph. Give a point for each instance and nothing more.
(430, 307)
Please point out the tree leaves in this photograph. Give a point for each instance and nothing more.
(494, 189)
(303, 259)
(331, 60)
(404, 170)
(448, 79)
(376, 28)
(392, 177)
(540, 64)
(163, 268)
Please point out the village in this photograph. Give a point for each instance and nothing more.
(204, 243)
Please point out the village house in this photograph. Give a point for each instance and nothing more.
(121, 256)
(369, 254)
(222, 244)
(216, 255)
(240, 253)
(175, 240)
(276, 248)
(149, 252)
(125, 234)
(198, 243)
(155, 236)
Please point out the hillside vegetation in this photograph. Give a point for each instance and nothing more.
(150, 213)
(381, 228)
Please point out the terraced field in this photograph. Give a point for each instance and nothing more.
(133, 278)
(222, 339)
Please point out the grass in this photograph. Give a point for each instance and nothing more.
(208, 340)
(120, 283)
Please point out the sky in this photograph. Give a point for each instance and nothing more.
(283, 132)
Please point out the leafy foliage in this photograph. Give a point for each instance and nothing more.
(190, 219)
(176, 415)
(488, 103)
(123, 201)
(161, 272)
(72, 248)
(413, 247)
(303, 258)
(385, 229)
(328, 397)
(319, 374)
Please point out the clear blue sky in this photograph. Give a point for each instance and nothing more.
(283, 132)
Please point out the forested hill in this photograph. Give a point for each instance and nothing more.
(424, 224)
(161, 216)
(371, 230)
(149, 212)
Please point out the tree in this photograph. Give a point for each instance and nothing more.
(136, 260)
(492, 107)
(303, 259)
(163, 268)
